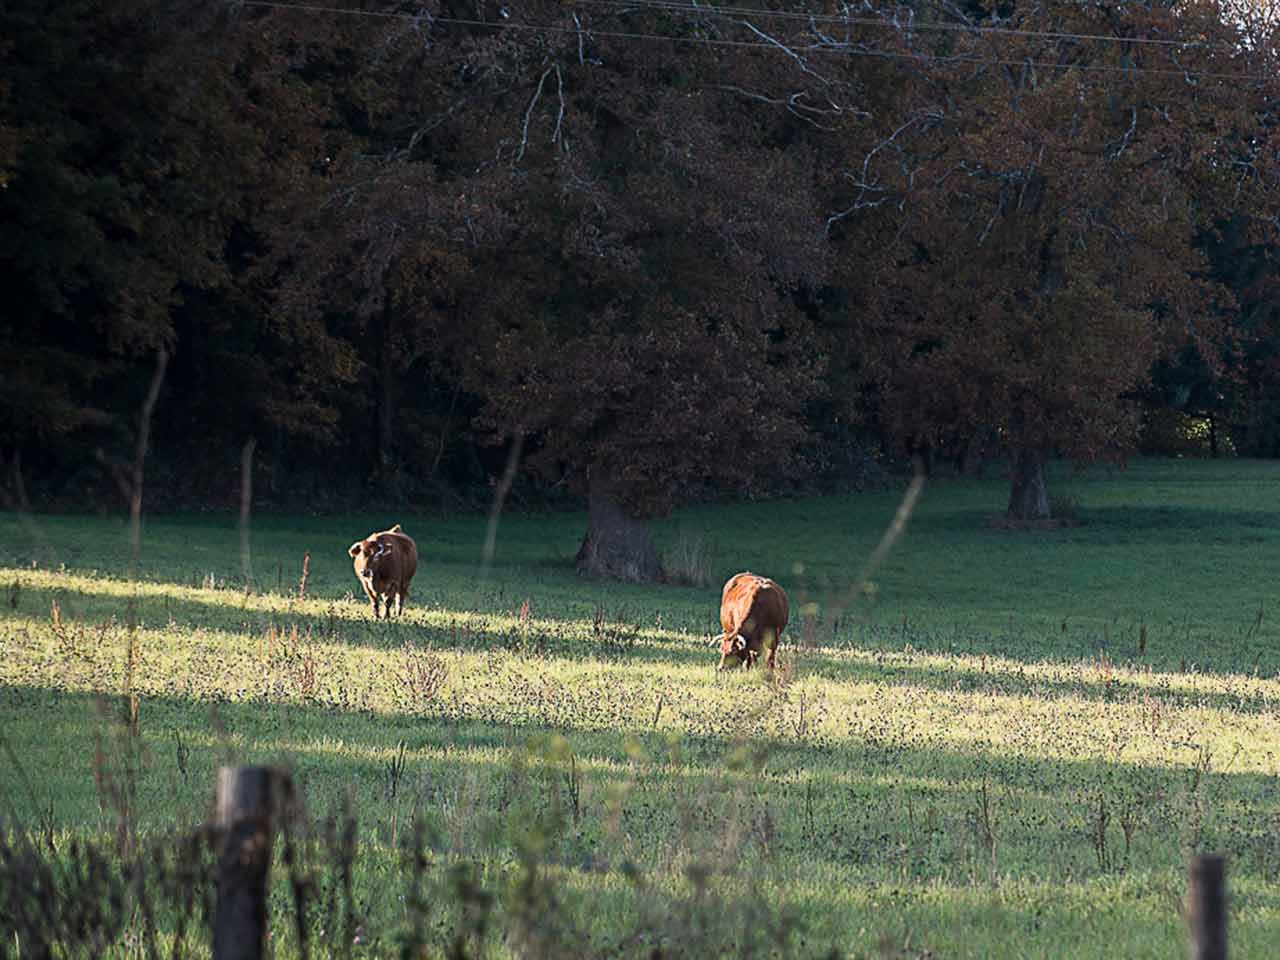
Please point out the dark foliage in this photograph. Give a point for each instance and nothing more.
(678, 253)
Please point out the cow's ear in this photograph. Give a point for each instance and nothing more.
(355, 548)
(395, 529)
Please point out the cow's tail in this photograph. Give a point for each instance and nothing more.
(735, 631)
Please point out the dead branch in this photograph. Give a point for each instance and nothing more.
(524, 133)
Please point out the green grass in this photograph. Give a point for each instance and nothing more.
(976, 760)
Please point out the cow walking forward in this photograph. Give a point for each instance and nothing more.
(385, 563)
(753, 613)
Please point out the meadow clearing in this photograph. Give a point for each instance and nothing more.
(1008, 746)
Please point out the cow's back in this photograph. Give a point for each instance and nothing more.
(405, 554)
(748, 597)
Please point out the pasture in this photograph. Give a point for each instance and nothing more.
(1009, 745)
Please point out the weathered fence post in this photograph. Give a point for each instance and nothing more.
(1207, 908)
(245, 808)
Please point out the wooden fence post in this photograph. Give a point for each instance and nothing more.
(245, 808)
(1207, 908)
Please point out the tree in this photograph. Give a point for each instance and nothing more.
(636, 320)
(130, 156)
(1235, 391)
(374, 242)
(382, 256)
(1044, 192)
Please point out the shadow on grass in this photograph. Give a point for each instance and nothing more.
(612, 634)
(619, 640)
(352, 749)
(829, 827)
(1174, 521)
(1102, 522)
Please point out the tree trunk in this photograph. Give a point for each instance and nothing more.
(617, 546)
(276, 475)
(499, 498)
(20, 499)
(925, 452)
(246, 505)
(971, 458)
(1028, 493)
(386, 395)
(444, 431)
(140, 456)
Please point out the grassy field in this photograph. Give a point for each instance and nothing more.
(1010, 746)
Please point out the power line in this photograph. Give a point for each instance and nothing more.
(675, 6)
(776, 46)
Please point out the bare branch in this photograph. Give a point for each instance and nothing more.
(801, 61)
(555, 134)
(867, 184)
(708, 23)
(794, 104)
(426, 128)
(866, 161)
(1128, 134)
(524, 134)
(991, 220)
(583, 59)
(858, 205)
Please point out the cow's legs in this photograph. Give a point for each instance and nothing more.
(373, 598)
(770, 639)
(399, 602)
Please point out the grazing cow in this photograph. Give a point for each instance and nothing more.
(385, 563)
(753, 613)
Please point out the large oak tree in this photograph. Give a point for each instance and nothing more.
(647, 341)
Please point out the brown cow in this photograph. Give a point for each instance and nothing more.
(753, 612)
(385, 563)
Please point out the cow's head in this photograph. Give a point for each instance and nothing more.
(367, 555)
(733, 648)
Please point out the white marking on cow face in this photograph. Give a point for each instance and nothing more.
(739, 643)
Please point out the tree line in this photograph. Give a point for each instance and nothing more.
(641, 252)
